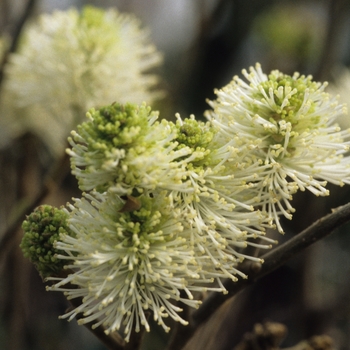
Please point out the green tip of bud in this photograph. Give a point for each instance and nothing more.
(115, 126)
(101, 144)
(194, 133)
(290, 94)
(197, 136)
(92, 16)
(41, 229)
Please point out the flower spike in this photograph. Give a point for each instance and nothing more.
(287, 125)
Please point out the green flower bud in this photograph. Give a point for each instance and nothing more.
(105, 146)
(193, 133)
(42, 229)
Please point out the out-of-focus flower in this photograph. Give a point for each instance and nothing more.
(69, 62)
(287, 125)
(304, 26)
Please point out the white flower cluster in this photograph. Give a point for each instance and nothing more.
(287, 125)
(71, 61)
(170, 207)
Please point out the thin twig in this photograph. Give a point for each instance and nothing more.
(337, 15)
(17, 32)
(275, 259)
(53, 179)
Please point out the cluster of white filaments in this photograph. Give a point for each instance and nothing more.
(287, 125)
(128, 264)
(125, 148)
(165, 218)
(171, 207)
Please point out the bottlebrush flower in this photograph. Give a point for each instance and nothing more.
(124, 147)
(287, 125)
(129, 262)
(222, 218)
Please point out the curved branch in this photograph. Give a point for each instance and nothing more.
(274, 259)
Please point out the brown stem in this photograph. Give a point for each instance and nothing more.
(275, 259)
(55, 177)
(18, 29)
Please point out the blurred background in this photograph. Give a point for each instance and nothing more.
(205, 43)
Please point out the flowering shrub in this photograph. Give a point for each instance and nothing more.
(170, 207)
